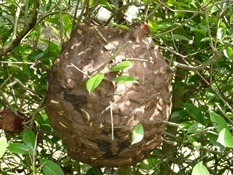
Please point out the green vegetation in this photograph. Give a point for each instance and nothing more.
(195, 37)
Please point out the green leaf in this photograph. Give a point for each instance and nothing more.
(18, 148)
(200, 169)
(213, 136)
(195, 128)
(125, 79)
(121, 66)
(121, 26)
(94, 171)
(3, 146)
(221, 33)
(228, 52)
(195, 143)
(29, 138)
(164, 25)
(218, 121)
(153, 26)
(138, 134)
(93, 82)
(225, 138)
(194, 112)
(50, 168)
(180, 37)
(206, 39)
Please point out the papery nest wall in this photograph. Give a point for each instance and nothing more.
(83, 119)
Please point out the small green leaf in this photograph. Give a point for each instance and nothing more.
(180, 37)
(200, 169)
(94, 171)
(194, 112)
(205, 39)
(228, 52)
(121, 66)
(125, 79)
(138, 134)
(3, 146)
(195, 128)
(18, 148)
(29, 138)
(93, 82)
(164, 25)
(50, 168)
(153, 26)
(195, 143)
(218, 121)
(213, 136)
(121, 26)
(225, 138)
(221, 32)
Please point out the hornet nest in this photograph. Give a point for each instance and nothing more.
(97, 127)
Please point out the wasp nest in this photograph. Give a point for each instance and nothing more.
(97, 127)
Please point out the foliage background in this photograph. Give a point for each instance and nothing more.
(195, 36)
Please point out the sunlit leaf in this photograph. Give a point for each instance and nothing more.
(121, 26)
(50, 168)
(196, 127)
(18, 148)
(225, 138)
(29, 138)
(125, 79)
(195, 143)
(228, 52)
(3, 146)
(206, 39)
(218, 121)
(93, 82)
(138, 134)
(121, 66)
(164, 25)
(221, 33)
(153, 26)
(213, 136)
(200, 169)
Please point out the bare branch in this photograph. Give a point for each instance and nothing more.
(201, 66)
(27, 28)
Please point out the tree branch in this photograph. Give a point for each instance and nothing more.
(27, 28)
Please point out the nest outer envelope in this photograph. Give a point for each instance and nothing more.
(83, 119)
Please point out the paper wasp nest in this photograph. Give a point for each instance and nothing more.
(97, 127)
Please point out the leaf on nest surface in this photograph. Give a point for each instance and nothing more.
(93, 82)
(125, 79)
(121, 66)
(138, 134)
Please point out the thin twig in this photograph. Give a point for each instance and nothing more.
(27, 28)
(214, 57)
(33, 117)
(171, 123)
(17, 81)
(111, 115)
(84, 73)
(170, 142)
(111, 57)
(228, 118)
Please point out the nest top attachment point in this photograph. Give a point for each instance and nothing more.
(97, 126)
